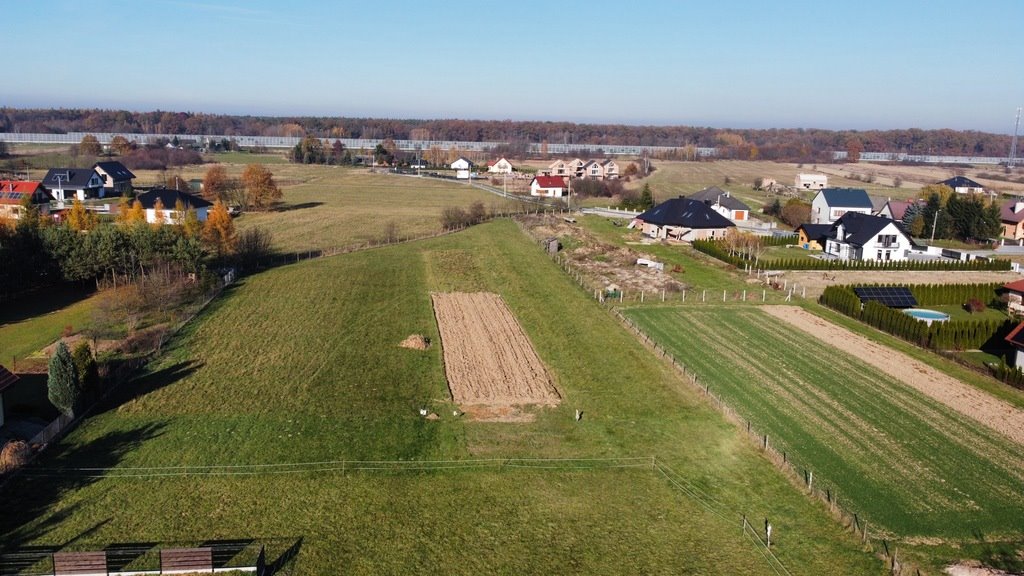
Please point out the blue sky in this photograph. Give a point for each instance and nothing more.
(722, 63)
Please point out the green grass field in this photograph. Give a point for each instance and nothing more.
(301, 364)
(909, 465)
(36, 322)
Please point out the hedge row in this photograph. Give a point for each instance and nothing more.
(717, 249)
(1013, 376)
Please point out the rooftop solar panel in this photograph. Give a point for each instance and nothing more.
(891, 296)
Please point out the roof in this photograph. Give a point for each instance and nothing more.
(877, 203)
(1016, 337)
(550, 181)
(1015, 286)
(1006, 213)
(860, 228)
(7, 378)
(467, 160)
(846, 197)
(961, 182)
(715, 194)
(815, 231)
(169, 198)
(15, 191)
(685, 212)
(73, 178)
(115, 169)
(898, 208)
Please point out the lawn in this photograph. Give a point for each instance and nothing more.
(909, 465)
(301, 364)
(30, 324)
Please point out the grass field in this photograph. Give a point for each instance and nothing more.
(301, 364)
(33, 323)
(904, 462)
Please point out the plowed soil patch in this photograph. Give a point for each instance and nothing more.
(966, 400)
(488, 359)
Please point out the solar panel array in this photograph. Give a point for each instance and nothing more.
(12, 195)
(891, 296)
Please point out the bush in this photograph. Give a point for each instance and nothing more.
(974, 306)
(15, 454)
(253, 245)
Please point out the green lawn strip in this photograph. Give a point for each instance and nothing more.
(854, 423)
(983, 382)
(22, 338)
(300, 363)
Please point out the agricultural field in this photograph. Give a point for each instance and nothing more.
(915, 469)
(303, 364)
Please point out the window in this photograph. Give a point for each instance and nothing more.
(886, 240)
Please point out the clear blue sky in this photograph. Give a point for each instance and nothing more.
(722, 63)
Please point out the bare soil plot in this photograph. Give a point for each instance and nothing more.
(990, 411)
(816, 281)
(488, 359)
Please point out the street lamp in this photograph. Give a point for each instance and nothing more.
(935, 222)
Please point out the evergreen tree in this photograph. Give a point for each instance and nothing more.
(63, 387)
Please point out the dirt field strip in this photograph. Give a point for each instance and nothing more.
(488, 359)
(992, 412)
(816, 281)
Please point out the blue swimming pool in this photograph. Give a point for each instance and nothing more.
(928, 316)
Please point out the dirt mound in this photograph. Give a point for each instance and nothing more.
(416, 342)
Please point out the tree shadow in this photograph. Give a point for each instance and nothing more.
(30, 494)
(145, 384)
(299, 206)
(42, 302)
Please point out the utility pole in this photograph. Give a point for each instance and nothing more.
(935, 222)
(1013, 143)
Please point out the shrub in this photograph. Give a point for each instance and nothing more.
(15, 454)
(974, 306)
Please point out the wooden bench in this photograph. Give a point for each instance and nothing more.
(186, 560)
(79, 563)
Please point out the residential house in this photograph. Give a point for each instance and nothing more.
(722, 201)
(163, 205)
(15, 193)
(500, 166)
(557, 168)
(831, 203)
(550, 186)
(117, 179)
(897, 209)
(682, 219)
(859, 236)
(462, 167)
(1016, 339)
(1011, 214)
(575, 167)
(7, 379)
(611, 169)
(812, 236)
(65, 184)
(1014, 292)
(811, 181)
(963, 185)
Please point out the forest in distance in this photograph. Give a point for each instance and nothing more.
(781, 144)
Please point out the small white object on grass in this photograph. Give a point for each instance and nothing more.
(579, 415)
(423, 411)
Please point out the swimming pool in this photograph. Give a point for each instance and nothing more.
(927, 316)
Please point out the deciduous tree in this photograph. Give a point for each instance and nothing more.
(120, 145)
(216, 183)
(219, 231)
(796, 212)
(80, 219)
(89, 146)
(260, 189)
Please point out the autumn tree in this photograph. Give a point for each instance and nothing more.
(216, 183)
(120, 145)
(191, 227)
(310, 150)
(80, 219)
(159, 218)
(176, 182)
(796, 212)
(260, 189)
(133, 215)
(853, 149)
(219, 231)
(89, 146)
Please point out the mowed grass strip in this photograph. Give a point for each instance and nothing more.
(905, 462)
(301, 364)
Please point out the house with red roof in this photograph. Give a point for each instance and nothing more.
(897, 209)
(1016, 339)
(15, 194)
(7, 379)
(1014, 292)
(550, 186)
(1011, 214)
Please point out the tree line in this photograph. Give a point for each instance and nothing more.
(792, 144)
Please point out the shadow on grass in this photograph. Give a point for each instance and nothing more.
(29, 496)
(37, 304)
(299, 206)
(146, 384)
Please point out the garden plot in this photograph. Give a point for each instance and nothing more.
(489, 362)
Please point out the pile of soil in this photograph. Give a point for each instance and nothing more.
(416, 342)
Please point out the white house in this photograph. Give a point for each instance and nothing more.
(66, 184)
(462, 167)
(557, 168)
(859, 236)
(722, 201)
(500, 166)
(963, 185)
(166, 206)
(811, 181)
(550, 186)
(831, 203)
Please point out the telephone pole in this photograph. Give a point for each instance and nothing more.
(1013, 143)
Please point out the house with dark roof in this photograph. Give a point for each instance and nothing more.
(812, 236)
(14, 194)
(1011, 215)
(859, 236)
(65, 184)
(166, 206)
(831, 203)
(682, 219)
(1016, 339)
(117, 179)
(462, 167)
(723, 202)
(963, 185)
(549, 186)
(7, 379)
